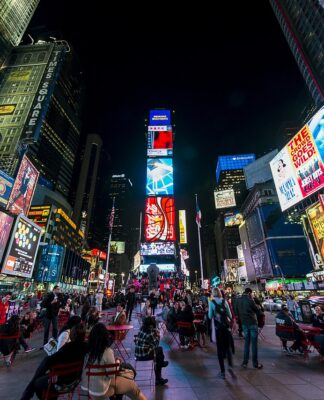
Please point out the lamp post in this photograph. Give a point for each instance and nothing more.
(282, 275)
(122, 275)
(196, 272)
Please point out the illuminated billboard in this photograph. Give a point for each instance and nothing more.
(225, 198)
(23, 189)
(233, 219)
(298, 169)
(157, 249)
(160, 117)
(162, 267)
(22, 250)
(238, 161)
(39, 215)
(5, 224)
(6, 183)
(159, 219)
(182, 226)
(117, 247)
(50, 263)
(159, 143)
(315, 216)
(159, 176)
(259, 170)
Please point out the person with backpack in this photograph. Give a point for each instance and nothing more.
(220, 312)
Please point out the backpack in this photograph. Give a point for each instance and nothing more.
(221, 310)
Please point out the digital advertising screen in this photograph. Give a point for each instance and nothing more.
(117, 247)
(159, 176)
(23, 189)
(6, 222)
(157, 249)
(225, 198)
(298, 169)
(315, 216)
(162, 267)
(50, 263)
(6, 183)
(182, 226)
(160, 117)
(159, 221)
(40, 215)
(233, 219)
(159, 143)
(22, 250)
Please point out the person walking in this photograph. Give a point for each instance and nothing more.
(52, 303)
(219, 310)
(248, 312)
(130, 302)
(99, 297)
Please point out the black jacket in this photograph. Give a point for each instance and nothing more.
(247, 310)
(52, 309)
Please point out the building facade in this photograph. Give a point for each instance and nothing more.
(302, 23)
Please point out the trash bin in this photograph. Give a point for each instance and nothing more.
(306, 311)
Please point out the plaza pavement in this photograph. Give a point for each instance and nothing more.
(193, 374)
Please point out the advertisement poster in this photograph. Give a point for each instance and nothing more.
(22, 250)
(230, 269)
(6, 222)
(159, 219)
(39, 215)
(283, 173)
(160, 117)
(182, 227)
(6, 183)
(159, 143)
(159, 176)
(225, 199)
(233, 219)
(23, 189)
(316, 127)
(117, 247)
(315, 216)
(157, 249)
(50, 263)
(307, 163)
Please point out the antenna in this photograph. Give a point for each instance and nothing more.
(30, 37)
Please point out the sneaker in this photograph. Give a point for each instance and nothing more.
(161, 382)
(258, 366)
(244, 365)
(29, 349)
(8, 363)
(165, 364)
(289, 350)
(221, 375)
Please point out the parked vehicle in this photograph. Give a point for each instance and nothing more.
(272, 304)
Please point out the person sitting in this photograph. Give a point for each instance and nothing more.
(71, 352)
(65, 332)
(200, 313)
(100, 353)
(120, 316)
(27, 326)
(318, 318)
(185, 315)
(9, 347)
(147, 310)
(92, 317)
(172, 317)
(287, 329)
(147, 348)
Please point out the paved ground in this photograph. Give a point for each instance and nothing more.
(192, 374)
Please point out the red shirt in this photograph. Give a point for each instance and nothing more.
(3, 312)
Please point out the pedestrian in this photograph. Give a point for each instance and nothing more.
(4, 307)
(219, 310)
(52, 303)
(99, 297)
(248, 312)
(130, 302)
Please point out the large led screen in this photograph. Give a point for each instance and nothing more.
(5, 228)
(23, 190)
(160, 117)
(159, 219)
(159, 143)
(225, 199)
(315, 216)
(22, 250)
(50, 263)
(6, 183)
(298, 169)
(182, 226)
(233, 219)
(117, 247)
(162, 267)
(159, 176)
(157, 249)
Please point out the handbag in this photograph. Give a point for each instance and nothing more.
(50, 347)
(127, 371)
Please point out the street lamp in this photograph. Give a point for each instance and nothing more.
(282, 275)
(196, 272)
(122, 275)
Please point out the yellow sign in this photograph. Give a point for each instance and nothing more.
(67, 219)
(182, 226)
(20, 75)
(7, 109)
(316, 219)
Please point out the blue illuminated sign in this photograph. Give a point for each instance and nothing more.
(238, 161)
(160, 117)
(50, 263)
(159, 176)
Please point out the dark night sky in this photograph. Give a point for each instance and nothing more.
(229, 75)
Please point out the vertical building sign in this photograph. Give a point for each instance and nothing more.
(182, 227)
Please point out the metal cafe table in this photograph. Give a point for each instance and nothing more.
(120, 333)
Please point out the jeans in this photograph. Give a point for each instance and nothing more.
(250, 335)
(223, 347)
(158, 356)
(47, 323)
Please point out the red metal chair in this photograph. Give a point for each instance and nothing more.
(189, 326)
(63, 318)
(287, 333)
(98, 370)
(58, 371)
(9, 359)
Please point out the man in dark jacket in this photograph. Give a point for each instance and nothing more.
(52, 303)
(247, 312)
(130, 302)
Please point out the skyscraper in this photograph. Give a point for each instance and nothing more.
(302, 23)
(14, 19)
(41, 98)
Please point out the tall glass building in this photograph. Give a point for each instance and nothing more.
(302, 22)
(14, 19)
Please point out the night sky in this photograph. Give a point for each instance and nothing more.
(229, 75)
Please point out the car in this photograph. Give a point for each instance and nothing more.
(316, 301)
(272, 304)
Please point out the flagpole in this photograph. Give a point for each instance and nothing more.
(108, 246)
(200, 255)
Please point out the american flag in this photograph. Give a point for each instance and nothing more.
(198, 215)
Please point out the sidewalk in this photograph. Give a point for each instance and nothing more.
(193, 374)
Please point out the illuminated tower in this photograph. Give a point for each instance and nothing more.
(302, 23)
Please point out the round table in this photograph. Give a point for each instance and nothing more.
(118, 339)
